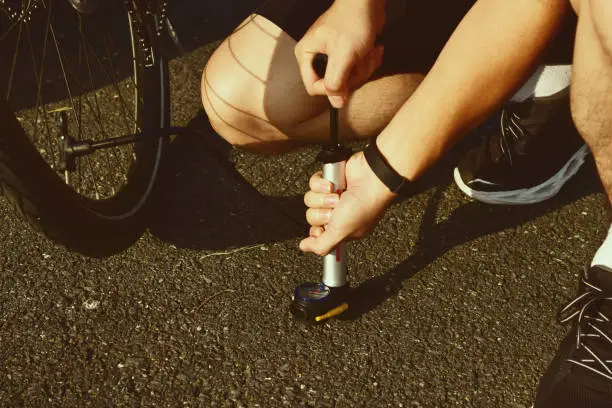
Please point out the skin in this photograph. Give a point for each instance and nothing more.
(273, 102)
(254, 96)
(467, 83)
(591, 93)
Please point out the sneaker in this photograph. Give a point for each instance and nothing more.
(535, 150)
(580, 375)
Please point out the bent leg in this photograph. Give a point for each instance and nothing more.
(254, 96)
(591, 95)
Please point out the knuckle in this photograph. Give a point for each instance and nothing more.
(310, 89)
(333, 84)
(312, 92)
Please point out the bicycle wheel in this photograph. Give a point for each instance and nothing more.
(77, 73)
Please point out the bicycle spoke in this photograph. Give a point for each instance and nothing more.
(107, 74)
(125, 112)
(116, 87)
(41, 74)
(65, 76)
(78, 170)
(50, 148)
(61, 62)
(14, 64)
(79, 66)
(19, 21)
(88, 81)
(97, 116)
(110, 167)
(104, 135)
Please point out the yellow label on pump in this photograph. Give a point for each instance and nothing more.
(333, 313)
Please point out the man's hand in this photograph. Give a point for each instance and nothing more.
(354, 214)
(346, 33)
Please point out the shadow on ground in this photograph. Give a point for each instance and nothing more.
(467, 223)
(202, 202)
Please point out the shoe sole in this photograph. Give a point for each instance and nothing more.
(532, 195)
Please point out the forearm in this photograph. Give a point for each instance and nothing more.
(488, 56)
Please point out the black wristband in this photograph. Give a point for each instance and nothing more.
(383, 170)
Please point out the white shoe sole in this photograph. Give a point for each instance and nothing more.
(531, 195)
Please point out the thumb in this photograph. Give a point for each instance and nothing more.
(324, 243)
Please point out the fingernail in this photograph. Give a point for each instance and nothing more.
(326, 186)
(331, 201)
(336, 101)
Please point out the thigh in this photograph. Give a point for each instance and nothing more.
(252, 83)
(591, 96)
(254, 73)
(592, 80)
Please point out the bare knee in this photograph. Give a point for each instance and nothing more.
(221, 99)
(252, 89)
(235, 107)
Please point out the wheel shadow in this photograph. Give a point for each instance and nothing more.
(202, 202)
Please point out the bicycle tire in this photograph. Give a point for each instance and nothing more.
(83, 224)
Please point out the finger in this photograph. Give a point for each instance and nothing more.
(318, 217)
(318, 87)
(318, 184)
(316, 231)
(340, 63)
(318, 200)
(322, 244)
(366, 68)
(338, 101)
(313, 84)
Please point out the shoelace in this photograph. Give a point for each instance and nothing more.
(587, 328)
(511, 132)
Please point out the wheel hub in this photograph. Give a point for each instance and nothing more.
(17, 10)
(85, 6)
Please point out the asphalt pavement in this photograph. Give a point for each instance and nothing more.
(456, 299)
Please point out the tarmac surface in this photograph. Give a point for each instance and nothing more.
(457, 299)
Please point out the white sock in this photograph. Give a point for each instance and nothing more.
(545, 81)
(603, 256)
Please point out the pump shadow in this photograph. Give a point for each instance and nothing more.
(464, 225)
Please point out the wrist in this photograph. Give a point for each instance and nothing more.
(402, 154)
(395, 182)
(375, 185)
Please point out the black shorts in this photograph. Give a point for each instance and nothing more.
(415, 33)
